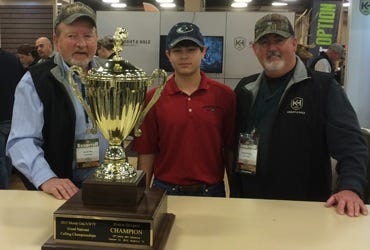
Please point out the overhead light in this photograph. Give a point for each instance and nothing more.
(118, 5)
(242, 1)
(164, 1)
(168, 5)
(346, 4)
(111, 1)
(279, 4)
(239, 5)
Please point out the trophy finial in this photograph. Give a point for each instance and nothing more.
(119, 38)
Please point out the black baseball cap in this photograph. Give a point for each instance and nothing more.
(184, 31)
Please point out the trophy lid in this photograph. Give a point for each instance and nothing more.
(117, 68)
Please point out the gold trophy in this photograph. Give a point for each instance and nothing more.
(115, 96)
(113, 209)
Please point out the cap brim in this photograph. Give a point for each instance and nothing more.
(75, 16)
(280, 33)
(175, 42)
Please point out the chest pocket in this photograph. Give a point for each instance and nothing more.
(210, 114)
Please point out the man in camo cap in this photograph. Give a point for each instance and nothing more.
(49, 123)
(291, 116)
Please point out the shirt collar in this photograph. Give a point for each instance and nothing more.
(172, 88)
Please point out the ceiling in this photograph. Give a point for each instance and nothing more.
(297, 6)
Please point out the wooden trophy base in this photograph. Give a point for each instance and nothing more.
(146, 225)
(97, 191)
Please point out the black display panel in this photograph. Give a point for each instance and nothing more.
(211, 63)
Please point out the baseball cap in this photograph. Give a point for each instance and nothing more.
(338, 48)
(69, 13)
(273, 24)
(184, 31)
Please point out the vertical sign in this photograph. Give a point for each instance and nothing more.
(324, 27)
(365, 7)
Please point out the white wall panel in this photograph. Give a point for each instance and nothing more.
(358, 61)
(142, 47)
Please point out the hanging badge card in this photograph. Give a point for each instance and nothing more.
(247, 158)
(87, 153)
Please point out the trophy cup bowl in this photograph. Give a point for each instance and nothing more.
(115, 96)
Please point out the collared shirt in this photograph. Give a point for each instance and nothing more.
(26, 139)
(188, 133)
(41, 60)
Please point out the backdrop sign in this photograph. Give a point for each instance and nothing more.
(365, 7)
(324, 28)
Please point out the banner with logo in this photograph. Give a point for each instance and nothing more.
(365, 7)
(324, 25)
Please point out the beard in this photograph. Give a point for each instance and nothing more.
(273, 64)
(82, 63)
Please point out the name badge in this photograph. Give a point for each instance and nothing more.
(87, 153)
(247, 156)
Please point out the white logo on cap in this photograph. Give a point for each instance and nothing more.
(184, 29)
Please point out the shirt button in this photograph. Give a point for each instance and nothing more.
(190, 110)
(189, 98)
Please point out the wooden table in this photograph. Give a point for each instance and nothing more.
(205, 224)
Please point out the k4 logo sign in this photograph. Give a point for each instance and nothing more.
(240, 43)
(365, 7)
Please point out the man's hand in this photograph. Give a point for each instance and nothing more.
(60, 188)
(347, 202)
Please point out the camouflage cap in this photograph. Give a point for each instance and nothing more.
(71, 12)
(273, 24)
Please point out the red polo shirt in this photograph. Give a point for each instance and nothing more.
(187, 134)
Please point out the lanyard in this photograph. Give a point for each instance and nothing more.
(83, 93)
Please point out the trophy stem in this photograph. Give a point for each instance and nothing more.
(115, 166)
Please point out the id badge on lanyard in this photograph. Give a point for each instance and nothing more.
(247, 153)
(87, 153)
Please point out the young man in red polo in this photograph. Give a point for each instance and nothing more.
(187, 135)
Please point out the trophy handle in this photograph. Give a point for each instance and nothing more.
(162, 76)
(76, 90)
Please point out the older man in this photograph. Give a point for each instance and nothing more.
(297, 119)
(327, 60)
(48, 120)
(44, 48)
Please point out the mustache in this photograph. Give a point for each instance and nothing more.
(273, 53)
